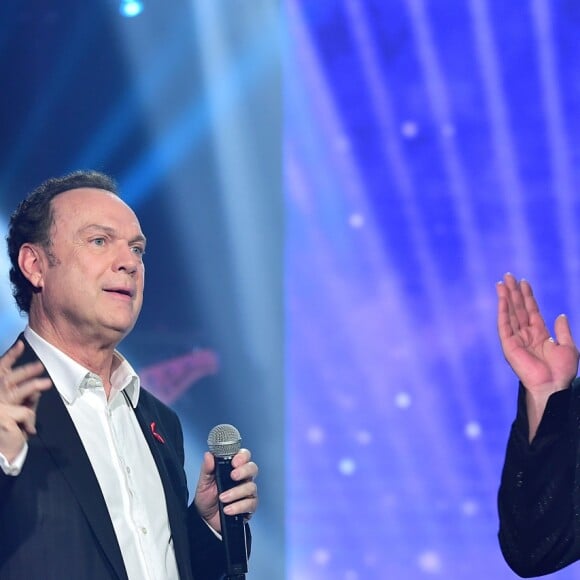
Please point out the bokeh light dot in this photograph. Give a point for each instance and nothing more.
(131, 8)
(469, 508)
(363, 437)
(448, 130)
(347, 466)
(430, 561)
(409, 129)
(473, 430)
(342, 144)
(403, 400)
(321, 557)
(315, 435)
(356, 220)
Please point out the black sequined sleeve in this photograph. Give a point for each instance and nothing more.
(539, 508)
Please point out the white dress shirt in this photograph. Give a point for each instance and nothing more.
(119, 455)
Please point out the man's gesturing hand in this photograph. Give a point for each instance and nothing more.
(241, 499)
(543, 364)
(20, 390)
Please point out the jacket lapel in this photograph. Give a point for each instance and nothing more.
(58, 434)
(175, 508)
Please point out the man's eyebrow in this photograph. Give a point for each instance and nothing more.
(112, 232)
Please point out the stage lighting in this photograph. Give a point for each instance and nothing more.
(131, 8)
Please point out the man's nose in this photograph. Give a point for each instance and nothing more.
(127, 260)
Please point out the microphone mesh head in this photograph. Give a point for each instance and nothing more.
(224, 440)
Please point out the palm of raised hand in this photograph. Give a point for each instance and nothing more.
(541, 363)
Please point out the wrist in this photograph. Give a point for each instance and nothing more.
(536, 402)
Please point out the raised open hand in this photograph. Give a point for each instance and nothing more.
(543, 365)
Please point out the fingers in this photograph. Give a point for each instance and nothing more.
(10, 375)
(504, 326)
(243, 498)
(517, 306)
(510, 301)
(21, 374)
(518, 313)
(21, 385)
(12, 354)
(241, 457)
(244, 469)
(532, 309)
(13, 418)
(20, 390)
(563, 332)
(27, 393)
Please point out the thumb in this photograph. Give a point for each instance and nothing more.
(563, 332)
(207, 467)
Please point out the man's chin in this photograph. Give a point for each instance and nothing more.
(119, 330)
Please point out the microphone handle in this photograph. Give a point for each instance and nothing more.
(233, 527)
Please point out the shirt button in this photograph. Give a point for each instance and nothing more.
(128, 469)
(144, 531)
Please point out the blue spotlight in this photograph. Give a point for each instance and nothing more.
(131, 8)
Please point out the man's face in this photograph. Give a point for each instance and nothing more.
(94, 287)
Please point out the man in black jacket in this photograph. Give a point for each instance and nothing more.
(539, 496)
(92, 483)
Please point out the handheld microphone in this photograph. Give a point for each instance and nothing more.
(224, 441)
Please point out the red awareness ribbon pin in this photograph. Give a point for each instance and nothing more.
(155, 434)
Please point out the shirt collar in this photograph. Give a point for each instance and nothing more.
(68, 375)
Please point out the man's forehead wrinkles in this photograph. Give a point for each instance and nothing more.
(111, 231)
(98, 227)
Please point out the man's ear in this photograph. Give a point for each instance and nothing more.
(31, 263)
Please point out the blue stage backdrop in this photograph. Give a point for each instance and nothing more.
(430, 146)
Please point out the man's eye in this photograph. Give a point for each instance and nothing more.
(98, 241)
(138, 250)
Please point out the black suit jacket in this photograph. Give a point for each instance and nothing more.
(54, 522)
(539, 496)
